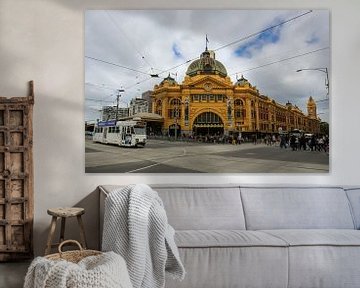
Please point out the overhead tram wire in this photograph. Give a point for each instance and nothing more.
(98, 100)
(219, 48)
(103, 86)
(262, 31)
(242, 39)
(117, 65)
(281, 60)
(128, 39)
(250, 69)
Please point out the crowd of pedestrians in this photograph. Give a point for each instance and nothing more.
(302, 142)
(296, 141)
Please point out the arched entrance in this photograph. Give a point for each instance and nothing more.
(172, 130)
(208, 123)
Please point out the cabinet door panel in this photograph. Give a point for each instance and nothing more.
(16, 183)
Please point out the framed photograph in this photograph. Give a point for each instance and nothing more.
(207, 91)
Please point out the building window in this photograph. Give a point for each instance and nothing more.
(175, 108)
(195, 98)
(158, 107)
(238, 102)
(207, 118)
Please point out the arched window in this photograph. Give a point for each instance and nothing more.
(208, 118)
(238, 102)
(174, 110)
(239, 109)
(158, 107)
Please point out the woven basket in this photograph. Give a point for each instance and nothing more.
(72, 256)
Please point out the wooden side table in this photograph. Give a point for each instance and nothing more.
(64, 213)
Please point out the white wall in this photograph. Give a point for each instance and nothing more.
(44, 41)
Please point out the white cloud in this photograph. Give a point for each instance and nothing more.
(144, 41)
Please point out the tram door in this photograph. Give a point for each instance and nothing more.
(123, 132)
(105, 133)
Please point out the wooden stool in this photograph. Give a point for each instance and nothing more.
(64, 213)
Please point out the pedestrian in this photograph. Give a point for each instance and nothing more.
(313, 143)
(293, 142)
(239, 138)
(282, 142)
(273, 140)
(302, 142)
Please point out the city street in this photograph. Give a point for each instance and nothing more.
(162, 156)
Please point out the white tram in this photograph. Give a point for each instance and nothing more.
(122, 133)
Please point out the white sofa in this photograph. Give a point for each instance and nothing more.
(248, 236)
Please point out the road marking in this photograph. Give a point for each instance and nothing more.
(156, 164)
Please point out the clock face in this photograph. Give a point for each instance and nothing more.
(207, 86)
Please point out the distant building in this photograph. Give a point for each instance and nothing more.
(138, 105)
(109, 112)
(147, 96)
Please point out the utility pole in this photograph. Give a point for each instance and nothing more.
(324, 70)
(117, 102)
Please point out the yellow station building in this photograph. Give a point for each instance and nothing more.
(207, 102)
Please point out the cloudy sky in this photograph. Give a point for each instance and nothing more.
(123, 47)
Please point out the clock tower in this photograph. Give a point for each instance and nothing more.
(311, 108)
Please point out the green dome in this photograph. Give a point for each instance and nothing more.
(206, 65)
(169, 80)
(242, 81)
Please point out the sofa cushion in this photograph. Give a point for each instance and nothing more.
(203, 208)
(354, 198)
(199, 207)
(316, 237)
(296, 208)
(322, 258)
(324, 266)
(220, 267)
(226, 238)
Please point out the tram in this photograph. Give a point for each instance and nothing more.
(123, 133)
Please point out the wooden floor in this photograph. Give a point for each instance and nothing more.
(12, 274)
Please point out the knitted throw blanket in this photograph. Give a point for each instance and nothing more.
(136, 227)
(103, 271)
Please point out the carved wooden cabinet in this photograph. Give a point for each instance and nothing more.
(16, 177)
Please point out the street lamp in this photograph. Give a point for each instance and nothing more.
(324, 70)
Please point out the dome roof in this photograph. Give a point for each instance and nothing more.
(169, 80)
(206, 65)
(242, 81)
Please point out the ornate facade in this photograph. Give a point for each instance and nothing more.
(207, 102)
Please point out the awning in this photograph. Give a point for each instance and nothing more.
(144, 116)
